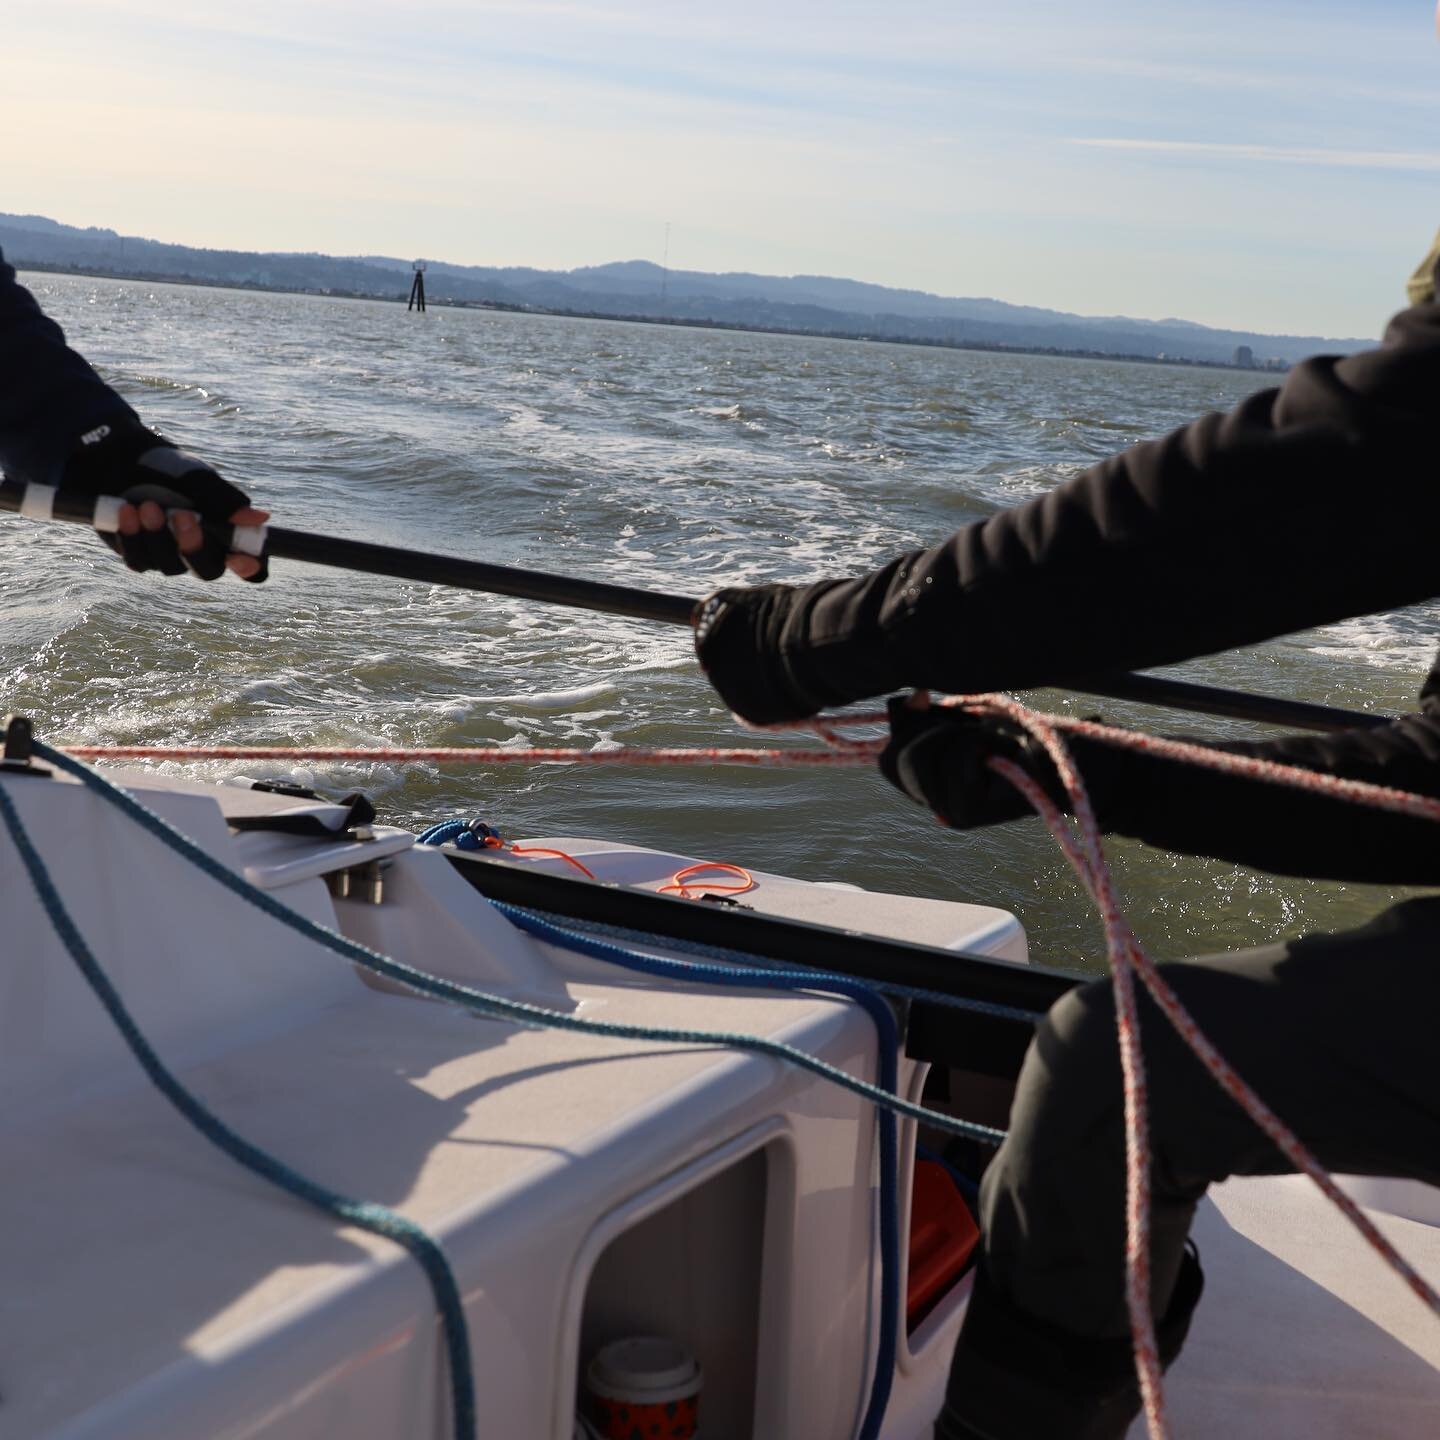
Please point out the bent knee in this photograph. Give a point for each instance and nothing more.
(1076, 1040)
(1070, 1082)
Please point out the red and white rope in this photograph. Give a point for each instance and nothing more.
(1128, 958)
(1088, 860)
(852, 753)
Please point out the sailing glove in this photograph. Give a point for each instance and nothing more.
(783, 652)
(737, 641)
(134, 463)
(938, 757)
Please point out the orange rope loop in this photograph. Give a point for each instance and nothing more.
(719, 887)
(542, 850)
(497, 842)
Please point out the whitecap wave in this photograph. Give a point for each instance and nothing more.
(1387, 642)
(542, 701)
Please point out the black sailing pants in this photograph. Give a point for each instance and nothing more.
(1335, 1032)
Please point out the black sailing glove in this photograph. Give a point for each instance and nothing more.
(938, 757)
(737, 639)
(782, 652)
(137, 465)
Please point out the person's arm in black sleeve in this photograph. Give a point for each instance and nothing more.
(62, 425)
(939, 760)
(1276, 828)
(49, 396)
(1303, 505)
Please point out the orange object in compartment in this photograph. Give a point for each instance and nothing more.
(943, 1237)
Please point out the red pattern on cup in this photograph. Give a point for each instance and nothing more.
(621, 1420)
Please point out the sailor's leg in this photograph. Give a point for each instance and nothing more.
(1335, 1032)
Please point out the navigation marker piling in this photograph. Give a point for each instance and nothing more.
(665, 275)
(417, 289)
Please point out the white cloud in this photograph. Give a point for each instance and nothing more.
(1275, 154)
(1265, 79)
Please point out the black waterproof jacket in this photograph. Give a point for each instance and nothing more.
(49, 396)
(1306, 504)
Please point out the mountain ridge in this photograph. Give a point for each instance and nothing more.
(640, 289)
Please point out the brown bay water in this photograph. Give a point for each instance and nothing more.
(654, 456)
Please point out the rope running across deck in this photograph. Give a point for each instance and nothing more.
(491, 754)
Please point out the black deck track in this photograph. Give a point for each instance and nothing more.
(935, 1033)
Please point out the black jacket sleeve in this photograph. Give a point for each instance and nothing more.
(1276, 828)
(49, 396)
(1303, 505)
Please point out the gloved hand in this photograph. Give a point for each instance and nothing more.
(782, 652)
(937, 756)
(154, 475)
(738, 639)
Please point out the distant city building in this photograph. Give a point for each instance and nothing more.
(1244, 357)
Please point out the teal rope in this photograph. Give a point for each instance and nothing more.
(377, 1219)
(497, 1006)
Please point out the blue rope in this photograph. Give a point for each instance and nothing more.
(494, 1006)
(888, 1038)
(378, 1219)
(728, 955)
(462, 834)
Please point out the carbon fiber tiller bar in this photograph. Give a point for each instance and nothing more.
(44, 502)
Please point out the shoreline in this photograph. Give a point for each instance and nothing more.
(90, 272)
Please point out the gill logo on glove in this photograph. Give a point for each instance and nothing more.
(95, 436)
(710, 613)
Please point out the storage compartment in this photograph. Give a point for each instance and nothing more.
(691, 1271)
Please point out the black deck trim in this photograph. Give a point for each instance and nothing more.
(985, 1043)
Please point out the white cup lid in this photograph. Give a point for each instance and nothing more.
(634, 1367)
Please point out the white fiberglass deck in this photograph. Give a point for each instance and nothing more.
(580, 1185)
(1304, 1334)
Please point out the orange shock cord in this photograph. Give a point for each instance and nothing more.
(677, 880)
(493, 842)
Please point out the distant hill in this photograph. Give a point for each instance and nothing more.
(638, 289)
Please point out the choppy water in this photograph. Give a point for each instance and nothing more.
(678, 459)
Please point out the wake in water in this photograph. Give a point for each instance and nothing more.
(652, 456)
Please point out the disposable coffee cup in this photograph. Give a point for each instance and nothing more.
(646, 1385)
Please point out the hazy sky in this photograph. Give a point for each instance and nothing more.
(1262, 163)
